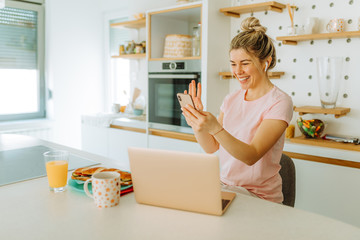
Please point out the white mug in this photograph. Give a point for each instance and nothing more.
(106, 189)
(115, 108)
(311, 25)
(336, 25)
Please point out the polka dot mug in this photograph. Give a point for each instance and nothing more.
(336, 25)
(105, 189)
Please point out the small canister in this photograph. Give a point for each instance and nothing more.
(122, 49)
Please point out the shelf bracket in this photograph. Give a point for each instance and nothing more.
(275, 9)
(232, 14)
(289, 42)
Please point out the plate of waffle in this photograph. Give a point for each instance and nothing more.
(80, 175)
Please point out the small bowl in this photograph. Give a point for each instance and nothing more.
(138, 112)
(311, 128)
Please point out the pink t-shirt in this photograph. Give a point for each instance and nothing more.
(241, 119)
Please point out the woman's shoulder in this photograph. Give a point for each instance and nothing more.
(279, 94)
(234, 95)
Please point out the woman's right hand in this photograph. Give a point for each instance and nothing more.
(195, 95)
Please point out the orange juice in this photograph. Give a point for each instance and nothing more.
(57, 173)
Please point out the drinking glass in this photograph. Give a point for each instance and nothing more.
(329, 70)
(56, 163)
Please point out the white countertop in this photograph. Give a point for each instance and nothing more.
(129, 122)
(30, 211)
(105, 119)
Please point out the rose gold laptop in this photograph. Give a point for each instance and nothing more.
(179, 180)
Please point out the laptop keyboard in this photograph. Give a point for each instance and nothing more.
(224, 203)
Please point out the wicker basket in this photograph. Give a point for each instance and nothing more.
(177, 45)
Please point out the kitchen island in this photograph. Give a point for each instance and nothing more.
(30, 211)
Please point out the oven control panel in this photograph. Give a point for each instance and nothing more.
(173, 65)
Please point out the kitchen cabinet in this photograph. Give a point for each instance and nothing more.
(327, 190)
(215, 29)
(119, 141)
(178, 20)
(94, 139)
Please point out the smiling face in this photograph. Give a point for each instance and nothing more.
(247, 69)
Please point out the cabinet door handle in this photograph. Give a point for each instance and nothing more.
(177, 76)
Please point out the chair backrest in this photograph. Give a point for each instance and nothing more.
(287, 173)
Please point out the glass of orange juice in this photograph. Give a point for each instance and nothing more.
(56, 163)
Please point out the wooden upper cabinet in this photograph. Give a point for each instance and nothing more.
(179, 20)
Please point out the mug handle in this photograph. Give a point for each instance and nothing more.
(328, 27)
(86, 189)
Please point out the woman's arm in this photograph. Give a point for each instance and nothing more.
(207, 141)
(269, 131)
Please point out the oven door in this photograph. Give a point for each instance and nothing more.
(164, 107)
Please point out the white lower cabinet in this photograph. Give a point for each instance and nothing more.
(328, 190)
(173, 144)
(94, 139)
(120, 140)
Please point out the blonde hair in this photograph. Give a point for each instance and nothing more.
(254, 40)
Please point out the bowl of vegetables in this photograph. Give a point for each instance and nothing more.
(311, 128)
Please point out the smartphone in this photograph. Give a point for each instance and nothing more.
(185, 99)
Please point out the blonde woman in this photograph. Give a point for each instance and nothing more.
(250, 130)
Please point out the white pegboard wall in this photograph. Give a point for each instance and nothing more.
(299, 62)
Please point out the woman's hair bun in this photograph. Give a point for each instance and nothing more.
(252, 24)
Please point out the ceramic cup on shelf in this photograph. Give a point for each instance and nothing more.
(336, 25)
(311, 25)
(105, 189)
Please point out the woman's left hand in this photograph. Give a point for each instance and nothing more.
(201, 121)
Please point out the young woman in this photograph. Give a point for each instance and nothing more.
(249, 131)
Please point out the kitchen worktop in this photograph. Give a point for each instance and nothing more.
(43, 214)
(106, 119)
(133, 122)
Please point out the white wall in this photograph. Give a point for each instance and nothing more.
(325, 189)
(75, 59)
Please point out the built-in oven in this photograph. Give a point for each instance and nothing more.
(166, 79)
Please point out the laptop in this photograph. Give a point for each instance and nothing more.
(178, 180)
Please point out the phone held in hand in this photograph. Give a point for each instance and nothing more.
(185, 99)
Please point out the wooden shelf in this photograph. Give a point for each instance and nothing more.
(272, 75)
(175, 58)
(292, 40)
(139, 23)
(338, 111)
(131, 56)
(325, 143)
(256, 7)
